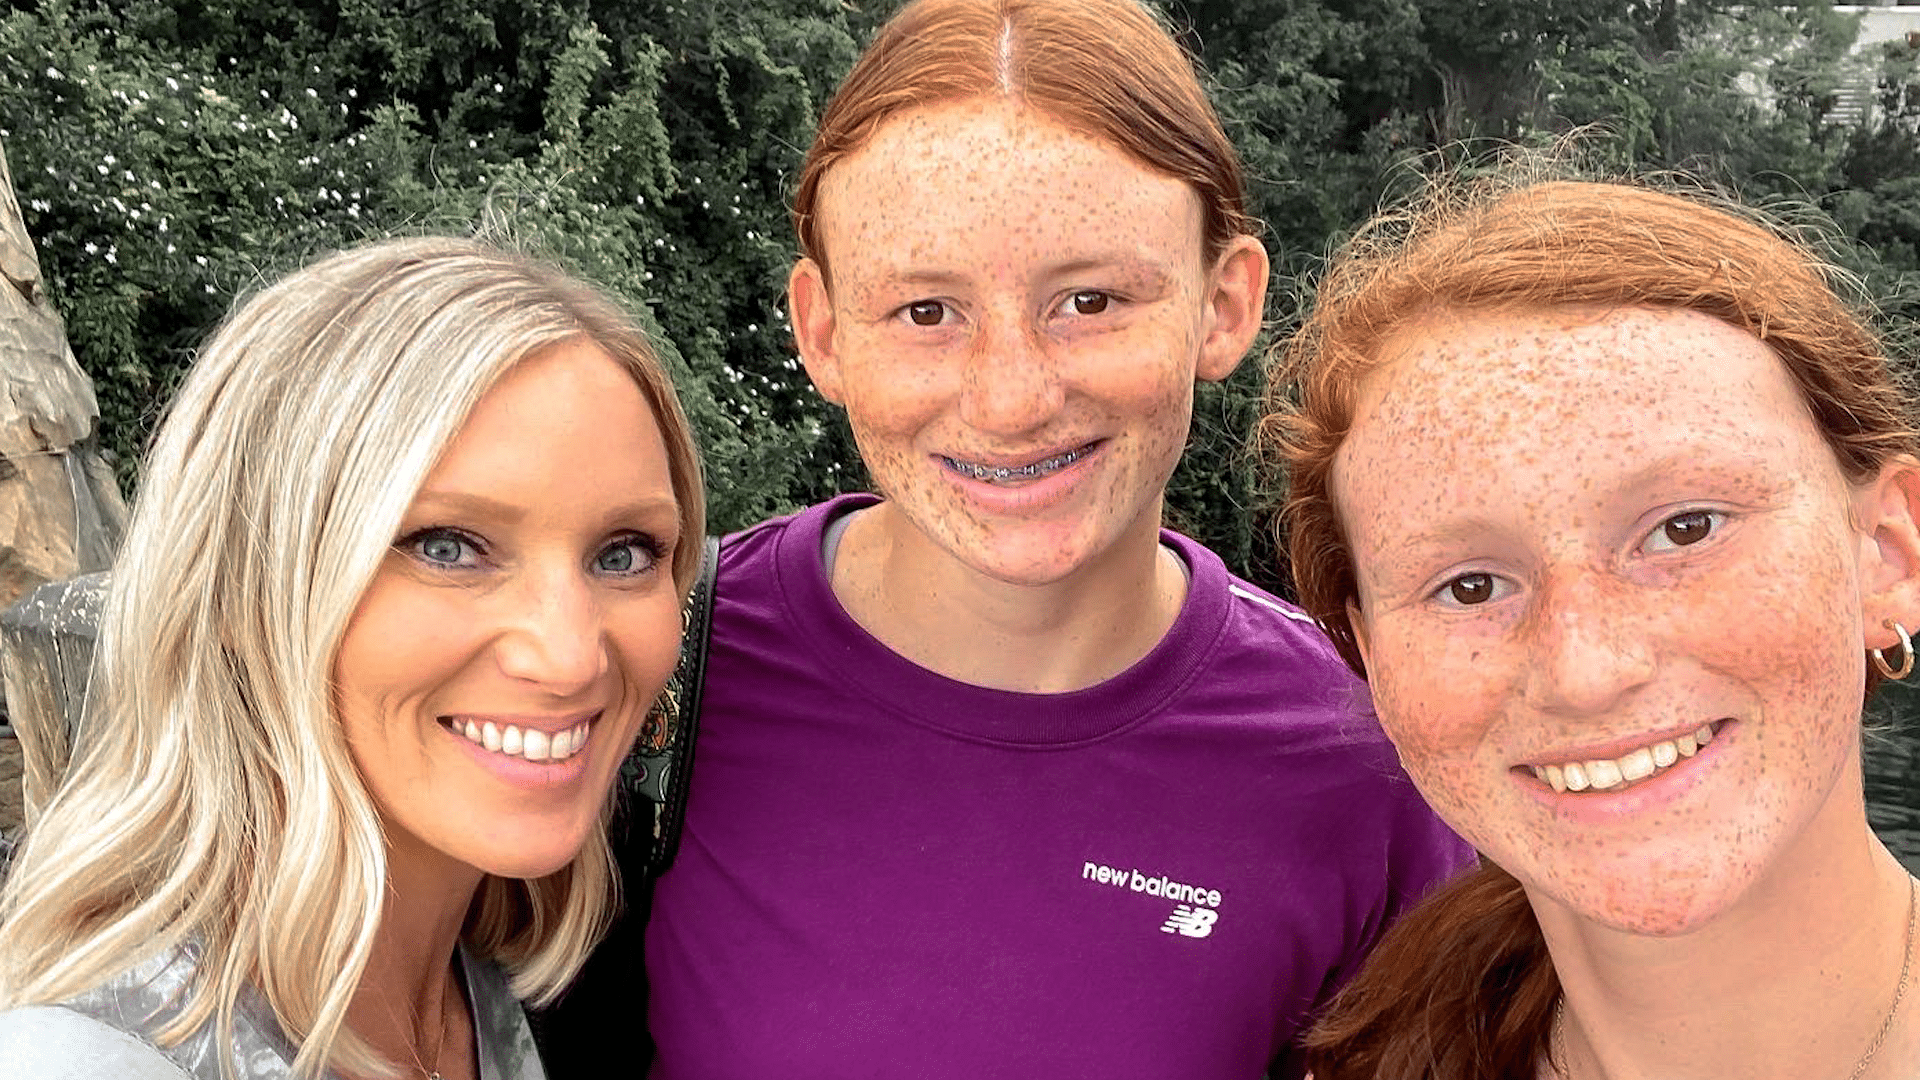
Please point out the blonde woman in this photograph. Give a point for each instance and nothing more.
(402, 582)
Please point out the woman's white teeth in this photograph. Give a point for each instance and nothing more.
(530, 744)
(1606, 774)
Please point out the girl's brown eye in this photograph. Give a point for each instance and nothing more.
(1688, 528)
(926, 312)
(1470, 589)
(1088, 303)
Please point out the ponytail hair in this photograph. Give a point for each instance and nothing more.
(1461, 988)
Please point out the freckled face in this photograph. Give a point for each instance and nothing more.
(530, 592)
(1577, 533)
(1018, 314)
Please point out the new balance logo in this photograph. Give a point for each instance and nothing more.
(1196, 907)
(1188, 921)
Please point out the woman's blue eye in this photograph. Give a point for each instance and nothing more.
(630, 556)
(441, 548)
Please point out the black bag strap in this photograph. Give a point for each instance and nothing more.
(658, 769)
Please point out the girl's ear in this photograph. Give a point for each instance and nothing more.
(1236, 301)
(812, 312)
(1887, 513)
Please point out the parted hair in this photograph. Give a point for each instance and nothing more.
(1463, 988)
(1107, 69)
(210, 799)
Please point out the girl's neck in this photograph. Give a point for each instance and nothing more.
(1793, 981)
(949, 618)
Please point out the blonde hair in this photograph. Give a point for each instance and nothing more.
(211, 798)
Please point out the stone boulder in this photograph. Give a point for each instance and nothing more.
(60, 509)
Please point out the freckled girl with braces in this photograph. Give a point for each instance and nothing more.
(997, 777)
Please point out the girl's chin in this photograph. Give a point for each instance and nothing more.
(1646, 904)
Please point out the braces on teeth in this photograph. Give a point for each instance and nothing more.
(1009, 472)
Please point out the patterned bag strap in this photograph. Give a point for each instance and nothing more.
(656, 773)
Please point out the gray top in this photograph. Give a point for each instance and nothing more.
(104, 1032)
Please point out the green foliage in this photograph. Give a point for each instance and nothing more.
(169, 156)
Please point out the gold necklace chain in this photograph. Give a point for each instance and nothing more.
(433, 1073)
(1563, 1066)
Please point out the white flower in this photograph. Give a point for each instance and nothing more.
(113, 256)
(497, 88)
(312, 93)
(172, 83)
(201, 259)
(352, 93)
(92, 248)
(54, 73)
(209, 287)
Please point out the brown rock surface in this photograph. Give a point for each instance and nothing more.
(12, 812)
(60, 511)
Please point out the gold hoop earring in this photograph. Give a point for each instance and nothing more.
(1906, 654)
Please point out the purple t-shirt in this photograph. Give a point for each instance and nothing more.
(888, 873)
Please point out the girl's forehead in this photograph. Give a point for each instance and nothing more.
(985, 184)
(1558, 391)
(1509, 364)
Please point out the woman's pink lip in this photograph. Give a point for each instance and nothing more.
(519, 772)
(1619, 747)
